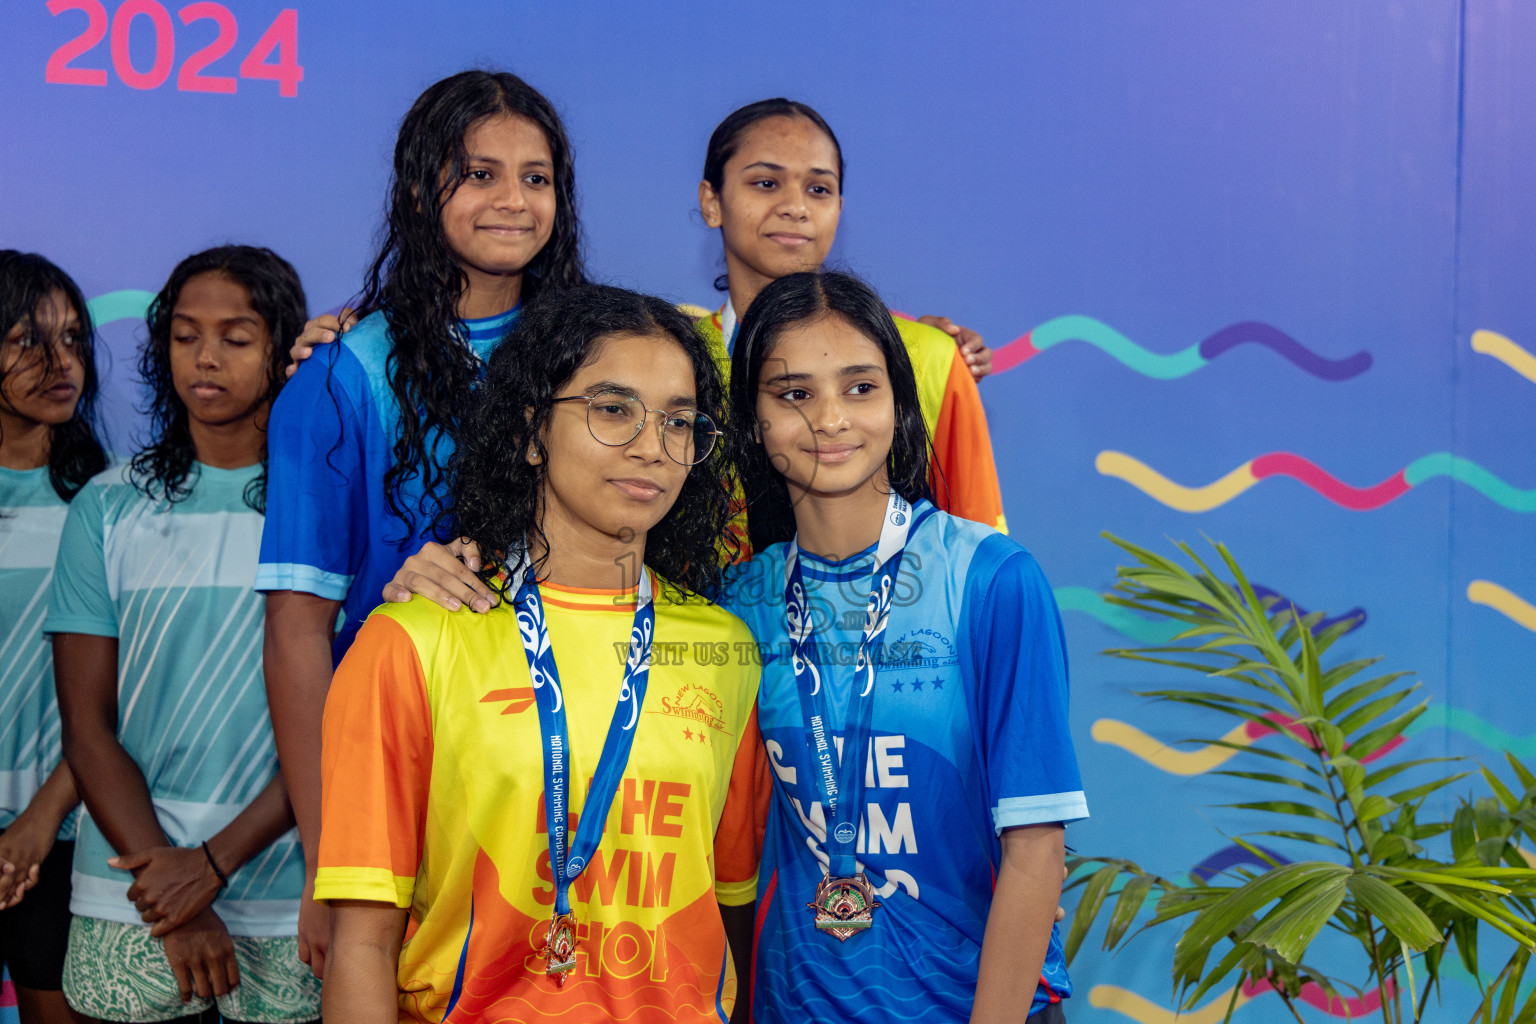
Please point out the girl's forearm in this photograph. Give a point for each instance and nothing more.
(1019, 923)
(53, 801)
(360, 985)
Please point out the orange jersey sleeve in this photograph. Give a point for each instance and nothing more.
(739, 836)
(963, 475)
(375, 769)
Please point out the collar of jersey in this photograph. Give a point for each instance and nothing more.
(484, 333)
(586, 599)
(860, 564)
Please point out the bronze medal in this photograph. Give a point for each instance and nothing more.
(844, 906)
(559, 950)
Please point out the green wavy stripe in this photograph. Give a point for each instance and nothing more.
(1438, 716)
(128, 304)
(1121, 620)
(1104, 337)
(1470, 473)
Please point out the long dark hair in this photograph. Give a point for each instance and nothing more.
(75, 452)
(726, 140)
(161, 469)
(416, 281)
(795, 299)
(496, 492)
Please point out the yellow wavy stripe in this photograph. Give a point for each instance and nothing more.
(1491, 343)
(1124, 1001)
(1175, 762)
(1503, 601)
(1186, 499)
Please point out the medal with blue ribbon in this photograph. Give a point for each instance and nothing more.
(568, 860)
(844, 902)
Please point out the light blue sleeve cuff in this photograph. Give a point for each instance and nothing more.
(304, 578)
(1013, 811)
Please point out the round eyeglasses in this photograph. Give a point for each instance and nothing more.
(615, 418)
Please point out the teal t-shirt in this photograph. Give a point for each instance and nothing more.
(173, 584)
(31, 517)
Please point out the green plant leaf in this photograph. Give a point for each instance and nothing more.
(1094, 891)
(1401, 916)
(1291, 926)
(1279, 780)
(1213, 923)
(1366, 745)
(1360, 691)
(1304, 837)
(1372, 710)
(1508, 799)
(1527, 779)
(1132, 896)
(1373, 807)
(1285, 807)
(1419, 792)
(1391, 771)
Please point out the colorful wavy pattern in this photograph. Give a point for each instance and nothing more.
(1143, 1010)
(128, 304)
(1156, 631)
(1208, 496)
(1506, 602)
(1159, 755)
(1468, 724)
(1170, 366)
(1491, 343)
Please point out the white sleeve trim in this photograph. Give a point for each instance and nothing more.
(1013, 811)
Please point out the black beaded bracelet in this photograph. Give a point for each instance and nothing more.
(223, 878)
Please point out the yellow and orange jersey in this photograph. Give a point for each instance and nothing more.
(961, 471)
(433, 801)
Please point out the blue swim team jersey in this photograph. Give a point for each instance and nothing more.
(31, 518)
(329, 528)
(173, 584)
(969, 737)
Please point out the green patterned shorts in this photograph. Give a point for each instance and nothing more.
(116, 972)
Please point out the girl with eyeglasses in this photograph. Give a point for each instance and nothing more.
(546, 811)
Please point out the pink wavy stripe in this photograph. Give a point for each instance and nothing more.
(1019, 350)
(1359, 499)
(1334, 1006)
(1301, 732)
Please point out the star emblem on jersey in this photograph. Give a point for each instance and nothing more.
(844, 906)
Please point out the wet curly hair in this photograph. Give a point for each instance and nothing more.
(416, 281)
(75, 452)
(496, 491)
(161, 469)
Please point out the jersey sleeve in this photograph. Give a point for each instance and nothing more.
(1018, 653)
(739, 837)
(375, 769)
(965, 478)
(80, 600)
(316, 481)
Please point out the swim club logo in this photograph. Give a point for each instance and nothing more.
(845, 832)
(695, 703)
(899, 512)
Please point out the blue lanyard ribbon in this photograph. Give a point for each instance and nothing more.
(557, 748)
(840, 783)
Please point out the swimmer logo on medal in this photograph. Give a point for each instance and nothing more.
(844, 906)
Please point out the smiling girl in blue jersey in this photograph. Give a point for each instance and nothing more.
(916, 875)
(481, 216)
(48, 449)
